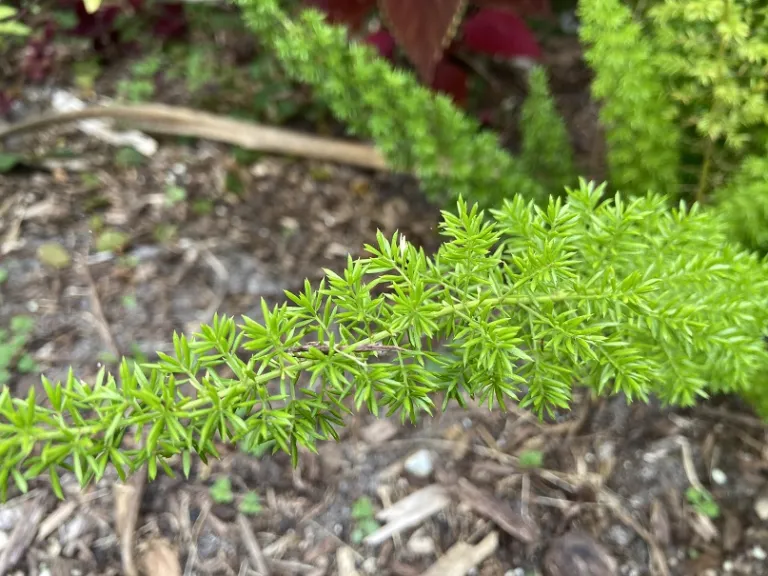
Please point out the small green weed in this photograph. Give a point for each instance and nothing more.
(12, 343)
(202, 207)
(364, 519)
(174, 195)
(129, 158)
(221, 491)
(141, 86)
(702, 502)
(250, 505)
(531, 459)
(111, 240)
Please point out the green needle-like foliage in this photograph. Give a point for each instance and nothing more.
(417, 130)
(714, 54)
(546, 149)
(743, 204)
(640, 120)
(621, 297)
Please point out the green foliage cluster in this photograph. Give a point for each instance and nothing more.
(640, 121)
(9, 26)
(627, 294)
(714, 53)
(685, 102)
(13, 340)
(743, 203)
(619, 296)
(546, 149)
(417, 131)
(363, 520)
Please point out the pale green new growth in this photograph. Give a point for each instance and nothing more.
(620, 297)
(714, 54)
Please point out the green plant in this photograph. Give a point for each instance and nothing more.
(141, 86)
(174, 195)
(531, 459)
(221, 490)
(620, 297)
(9, 26)
(111, 240)
(416, 130)
(685, 101)
(12, 343)
(363, 519)
(702, 502)
(714, 55)
(250, 505)
(128, 157)
(743, 203)
(641, 123)
(519, 304)
(546, 149)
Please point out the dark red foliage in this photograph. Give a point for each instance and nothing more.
(496, 32)
(428, 29)
(451, 80)
(422, 29)
(349, 12)
(383, 42)
(521, 7)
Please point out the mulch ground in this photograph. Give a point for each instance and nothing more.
(454, 495)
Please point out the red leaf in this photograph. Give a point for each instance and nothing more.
(499, 33)
(383, 42)
(519, 7)
(423, 29)
(349, 12)
(451, 80)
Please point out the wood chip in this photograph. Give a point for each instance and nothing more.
(463, 557)
(23, 534)
(255, 555)
(345, 562)
(577, 554)
(379, 431)
(514, 524)
(127, 503)
(409, 512)
(160, 558)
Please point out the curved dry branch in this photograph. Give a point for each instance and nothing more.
(179, 121)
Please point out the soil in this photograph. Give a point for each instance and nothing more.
(614, 475)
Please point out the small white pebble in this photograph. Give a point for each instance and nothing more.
(727, 566)
(758, 553)
(719, 477)
(420, 544)
(369, 565)
(761, 507)
(419, 463)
